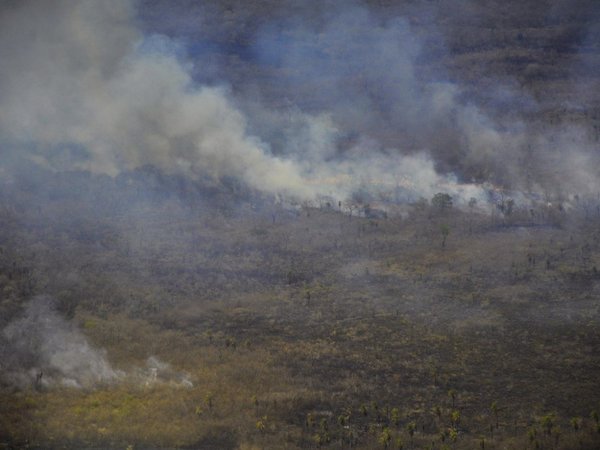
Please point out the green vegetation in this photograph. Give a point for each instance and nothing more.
(302, 326)
(403, 344)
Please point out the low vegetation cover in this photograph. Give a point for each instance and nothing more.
(239, 324)
(300, 224)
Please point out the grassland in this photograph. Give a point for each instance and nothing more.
(303, 327)
(309, 328)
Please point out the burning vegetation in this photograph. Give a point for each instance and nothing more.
(299, 225)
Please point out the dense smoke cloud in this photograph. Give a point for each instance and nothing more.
(366, 72)
(44, 350)
(340, 103)
(81, 88)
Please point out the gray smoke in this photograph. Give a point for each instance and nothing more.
(42, 349)
(366, 75)
(80, 88)
(158, 371)
(345, 105)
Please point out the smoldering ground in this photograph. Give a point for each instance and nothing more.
(41, 349)
(336, 103)
(140, 187)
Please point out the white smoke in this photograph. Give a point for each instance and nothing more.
(81, 87)
(42, 349)
(80, 76)
(161, 372)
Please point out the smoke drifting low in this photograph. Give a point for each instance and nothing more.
(81, 87)
(42, 349)
(363, 77)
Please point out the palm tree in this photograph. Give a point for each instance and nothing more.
(386, 437)
(261, 424)
(452, 395)
(547, 423)
(209, 400)
(395, 416)
(411, 427)
(455, 418)
(445, 230)
(494, 409)
(575, 423)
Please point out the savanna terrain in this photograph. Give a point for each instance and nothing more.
(307, 327)
(149, 308)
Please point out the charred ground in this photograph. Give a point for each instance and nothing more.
(306, 327)
(302, 325)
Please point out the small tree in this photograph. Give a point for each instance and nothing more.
(395, 416)
(494, 409)
(399, 443)
(575, 423)
(510, 204)
(455, 417)
(472, 204)
(445, 231)
(441, 201)
(323, 425)
(351, 205)
(209, 400)
(386, 437)
(261, 424)
(452, 395)
(411, 427)
(363, 409)
(595, 416)
(453, 434)
(421, 204)
(548, 423)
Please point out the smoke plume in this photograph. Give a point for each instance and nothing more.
(42, 349)
(81, 88)
(343, 100)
